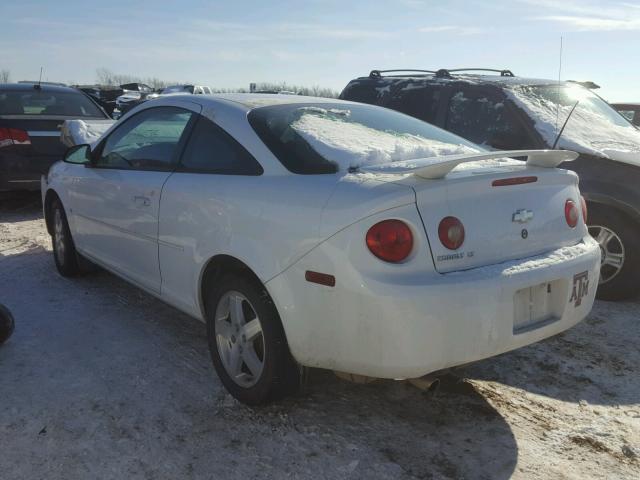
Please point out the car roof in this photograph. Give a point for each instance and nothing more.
(249, 101)
(44, 87)
(496, 80)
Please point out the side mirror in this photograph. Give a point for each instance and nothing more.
(78, 154)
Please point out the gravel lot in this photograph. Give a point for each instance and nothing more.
(100, 380)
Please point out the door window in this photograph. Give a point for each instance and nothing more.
(146, 141)
(420, 102)
(212, 150)
(483, 118)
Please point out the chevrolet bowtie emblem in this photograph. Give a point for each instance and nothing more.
(522, 216)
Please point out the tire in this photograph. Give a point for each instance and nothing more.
(7, 324)
(64, 251)
(252, 359)
(619, 241)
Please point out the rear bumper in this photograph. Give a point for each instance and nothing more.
(400, 329)
(21, 172)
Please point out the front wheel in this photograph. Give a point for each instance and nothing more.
(247, 342)
(64, 250)
(619, 244)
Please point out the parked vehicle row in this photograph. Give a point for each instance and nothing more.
(30, 119)
(504, 112)
(132, 99)
(313, 232)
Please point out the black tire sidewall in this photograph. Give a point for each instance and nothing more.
(7, 324)
(279, 375)
(626, 284)
(68, 264)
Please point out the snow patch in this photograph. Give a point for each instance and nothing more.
(79, 132)
(586, 131)
(352, 144)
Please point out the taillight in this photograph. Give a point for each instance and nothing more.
(583, 204)
(13, 136)
(390, 240)
(571, 213)
(451, 233)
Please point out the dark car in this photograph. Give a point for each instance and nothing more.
(631, 111)
(30, 118)
(503, 112)
(105, 95)
(133, 95)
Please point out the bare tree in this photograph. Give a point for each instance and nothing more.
(5, 75)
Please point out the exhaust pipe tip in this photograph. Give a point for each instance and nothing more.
(429, 384)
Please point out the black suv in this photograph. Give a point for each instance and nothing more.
(500, 111)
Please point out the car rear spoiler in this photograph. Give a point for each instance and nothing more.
(438, 167)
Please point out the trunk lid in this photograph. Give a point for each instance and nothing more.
(503, 222)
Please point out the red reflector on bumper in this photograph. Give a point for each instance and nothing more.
(321, 278)
(503, 182)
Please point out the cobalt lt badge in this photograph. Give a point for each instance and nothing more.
(580, 288)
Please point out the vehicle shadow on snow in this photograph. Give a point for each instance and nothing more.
(452, 433)
(20, 206)
(331, 429)
(596, 361)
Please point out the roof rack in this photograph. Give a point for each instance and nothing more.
(503, 73)
(442, 73)
(378, 73)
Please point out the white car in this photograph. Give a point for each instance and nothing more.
(322, 233)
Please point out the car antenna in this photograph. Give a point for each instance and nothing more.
(38, 86)
(564, 125)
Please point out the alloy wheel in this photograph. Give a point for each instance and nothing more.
(611, 250)
(58, 233)
(239, 339)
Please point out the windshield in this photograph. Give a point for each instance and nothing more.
(594, 126)
(39, 102)
(326, 138)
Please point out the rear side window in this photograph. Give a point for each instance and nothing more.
(212, 150)
(483, 118)
(365, 91)
(40, 102)
(422, 103)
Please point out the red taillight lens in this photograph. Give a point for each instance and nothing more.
(583, 204)
(5, 138)
(20, 137)
(571, 213)
(451, 232)
(13, 136)
(390, 240)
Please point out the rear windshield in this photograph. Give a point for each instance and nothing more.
(178, 89)
(34, 102)
(325, 137)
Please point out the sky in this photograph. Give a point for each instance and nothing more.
(326, 43)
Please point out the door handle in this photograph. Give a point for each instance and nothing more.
(142, 201)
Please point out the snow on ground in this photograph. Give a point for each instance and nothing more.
(100, 380)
